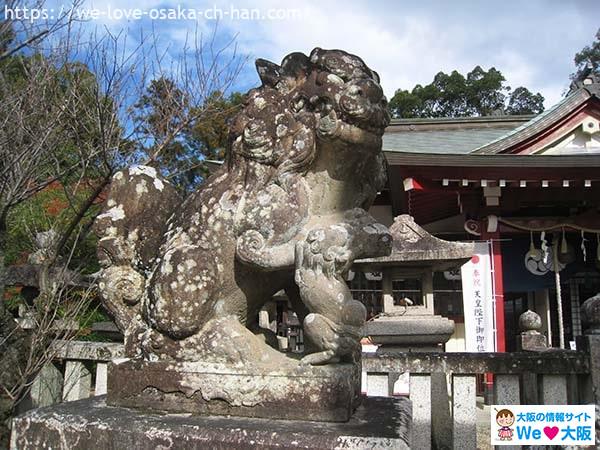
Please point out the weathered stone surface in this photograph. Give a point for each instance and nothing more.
(554, 389)
(548, 362)
(530, 322)
(86, 350)
(420, 393)
(464, 412)
(506, 390)
(380, 423)
(590, 314)
(530, 338)
(377, 384)
(47, 386)
(78, 381)
(410, 330)
(324, 393)
(185, 280)
(287, 211)
(413, 246)
(531, 342)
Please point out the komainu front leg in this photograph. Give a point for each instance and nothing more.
(334, 324)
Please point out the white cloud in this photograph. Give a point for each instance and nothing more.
(532, 43)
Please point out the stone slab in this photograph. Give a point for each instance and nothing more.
(411, 329)
(420, 392)
(379, 423)
(531, 342)
(323, 393)
(464, 412)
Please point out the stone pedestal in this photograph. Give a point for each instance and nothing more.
(323, 393)
(530, 338)
(410, 329)
(379, 423)
(415, 330)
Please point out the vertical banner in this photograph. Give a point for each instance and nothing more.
(478, 300)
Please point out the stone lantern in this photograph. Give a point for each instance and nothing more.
(415, 254)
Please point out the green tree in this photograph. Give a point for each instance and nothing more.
(480, 93)
(66, 126)
(60, 142)
(211, 135)
(523, 101)
(485, 91)
(179, 137)
(452, 98)
(588, 58)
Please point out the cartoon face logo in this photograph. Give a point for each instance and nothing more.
(505, 419)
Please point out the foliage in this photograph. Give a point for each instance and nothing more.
(480, 93)
(523, 101)
(590, 54)
(202, 132)
(66, 126)
(53, 208)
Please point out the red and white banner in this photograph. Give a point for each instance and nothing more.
(478, 298)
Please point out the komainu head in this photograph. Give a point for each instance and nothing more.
(329, 96)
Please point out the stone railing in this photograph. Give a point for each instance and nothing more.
(79, 371)
(440, 380)
(442, 386)
(544, 377)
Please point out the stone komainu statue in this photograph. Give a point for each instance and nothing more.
(185, 280)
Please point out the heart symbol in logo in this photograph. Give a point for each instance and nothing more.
(551, 432)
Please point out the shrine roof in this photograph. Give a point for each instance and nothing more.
(447, 135)
(490, 135)
(539, 123)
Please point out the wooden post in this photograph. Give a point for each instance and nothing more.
(498, 293)
(497, 277)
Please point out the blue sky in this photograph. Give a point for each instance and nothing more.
(531, 42)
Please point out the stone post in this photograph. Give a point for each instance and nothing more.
(101, 379)
(464, 412)
(47, 386)
(427, 290)
(530, 338)
(387, 292)
(554, 389)
(590, 342)
(78, 381)
(420, 394)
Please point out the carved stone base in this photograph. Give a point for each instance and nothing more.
(322, 393)
(379, 423)
(414, 331)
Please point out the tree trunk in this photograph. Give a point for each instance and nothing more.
(2, 262)
(12, 347)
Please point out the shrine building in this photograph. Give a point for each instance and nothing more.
(527, 189)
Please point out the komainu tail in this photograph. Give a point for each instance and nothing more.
(130, 231)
